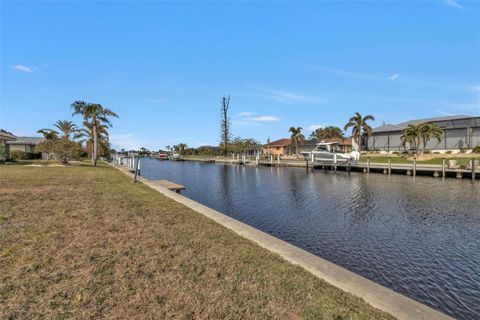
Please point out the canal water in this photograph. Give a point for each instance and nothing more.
(418, 236)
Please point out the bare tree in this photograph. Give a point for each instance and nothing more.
(225, 125)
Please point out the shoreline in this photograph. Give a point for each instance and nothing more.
(375, 294)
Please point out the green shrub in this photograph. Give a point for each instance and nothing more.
(476, 149)
(18, 155)
(448, 152)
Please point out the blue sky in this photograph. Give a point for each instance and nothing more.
(164, 66)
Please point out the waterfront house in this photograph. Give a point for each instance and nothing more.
(280, 147)
(460, 132)
(25, 144)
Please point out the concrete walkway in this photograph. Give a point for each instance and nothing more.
(378, 296)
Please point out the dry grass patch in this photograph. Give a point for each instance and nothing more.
(83, 242)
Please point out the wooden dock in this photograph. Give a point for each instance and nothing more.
(408, 169)
(172, 186)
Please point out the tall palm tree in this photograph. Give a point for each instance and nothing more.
(429, 131)
(296, 137)
(48, 134)
(96, 115)
(359, 127)
(67, 129)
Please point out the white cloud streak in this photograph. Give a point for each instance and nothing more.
(287, 97)
(394, 77)
(453, 4)
(22, 68)
(262, 119)
(246, 114)
(248, 118)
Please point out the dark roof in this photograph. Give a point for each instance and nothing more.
(6, 136)
(388, 127)
(279, 143)
(437, 119)
(403, 125)
(27, 140)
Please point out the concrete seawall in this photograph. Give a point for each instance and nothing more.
(378, 296)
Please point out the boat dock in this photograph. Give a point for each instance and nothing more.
(172, 186)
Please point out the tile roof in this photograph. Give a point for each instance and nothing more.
(279, 143)
(27, 140)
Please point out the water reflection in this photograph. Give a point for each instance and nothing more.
(418, 236)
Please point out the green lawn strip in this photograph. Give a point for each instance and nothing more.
(84, 242)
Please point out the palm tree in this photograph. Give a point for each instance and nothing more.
(181, 147)
(359, 127)
(103, 145)
(330, 132)
(67, 128)
(48, 134)
(411, 135)
(96, 115)
(429, 131)
(296, 137)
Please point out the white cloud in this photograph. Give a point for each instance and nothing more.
(158, 100)
(288, 97)
(126, 141)
(21, 68)
(248, 118)
(394, 77)
(453, 4)
(246, 114)
(314, 127)
(475, 88)
(262, 119)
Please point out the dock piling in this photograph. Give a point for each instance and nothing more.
(414, 166)
(368, 164)
(389, 165)
(443, 168)
(472, 167)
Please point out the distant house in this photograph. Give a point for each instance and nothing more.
(5, 137)
(25, 144)
(281, 147)
(459, 132)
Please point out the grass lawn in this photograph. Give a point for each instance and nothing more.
(84, 242)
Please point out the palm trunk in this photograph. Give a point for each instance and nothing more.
(296, 147)
(95, 145)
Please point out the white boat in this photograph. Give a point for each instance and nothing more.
(330, 152)
(175, 157)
